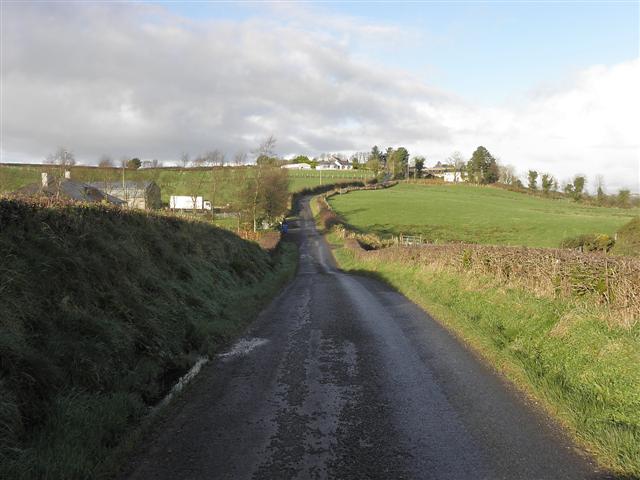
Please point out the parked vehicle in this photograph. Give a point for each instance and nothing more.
(187, 202)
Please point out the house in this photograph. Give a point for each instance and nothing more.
(334, 163)
(448, 173)
(297, 166)
(143, 195)
(324, 165)
(343, 164)
(68, 189)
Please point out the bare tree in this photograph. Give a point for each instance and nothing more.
(62, 157)
(239, 159)
(267, 147)
(215, 158)
(507, 174)
(61, 160)
(184, 159)
(458, 162)
(105, 161)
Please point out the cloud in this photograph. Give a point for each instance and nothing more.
(138, 80)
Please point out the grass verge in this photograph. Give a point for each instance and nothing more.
(559, 350)
(101, 311)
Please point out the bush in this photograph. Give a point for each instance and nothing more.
(589, 243)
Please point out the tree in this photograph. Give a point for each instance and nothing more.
(374, 162)
(547, 183)
(532, 178)
(419, 166)
(239, 159)
(579, 182)
(256, 190)
(134, 164)
(482, 167)
(507, 174)
(458, 162)
(624, 196)
(62, 157)
(600, 195)
(185, 159)
(105, 161)
(397, 162)
(265, 195)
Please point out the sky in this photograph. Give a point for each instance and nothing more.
(550, 86)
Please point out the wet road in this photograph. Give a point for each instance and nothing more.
(341, 377)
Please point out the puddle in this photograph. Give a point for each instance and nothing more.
(243, 347)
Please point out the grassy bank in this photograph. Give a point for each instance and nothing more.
(101, 311)
(471, 214)
(567, 349)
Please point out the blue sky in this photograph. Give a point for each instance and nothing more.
(483, 51)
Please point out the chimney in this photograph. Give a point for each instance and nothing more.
(45, 180)
(67, 174)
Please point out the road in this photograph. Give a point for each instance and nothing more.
(342, 377)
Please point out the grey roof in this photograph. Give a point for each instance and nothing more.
(130, 189)
(70, 189)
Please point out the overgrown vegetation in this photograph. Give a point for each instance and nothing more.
(471, 214)
(101, 310)
(555, 322)
(628, 239)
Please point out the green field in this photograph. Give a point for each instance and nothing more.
(466, 213)
(175, 181)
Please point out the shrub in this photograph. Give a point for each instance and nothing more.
(589, 243)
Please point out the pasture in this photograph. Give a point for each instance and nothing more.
(176, 181)
(472, 214)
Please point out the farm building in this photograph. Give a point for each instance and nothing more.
(66, 188)
(297, 166)
(143, 195)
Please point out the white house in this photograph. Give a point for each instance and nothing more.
(334, 164)
(448, 173)
(297, 166)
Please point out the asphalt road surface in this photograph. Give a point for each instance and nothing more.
(342, 377)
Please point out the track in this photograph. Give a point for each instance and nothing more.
(342, 377)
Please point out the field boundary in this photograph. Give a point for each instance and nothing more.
(607, 280)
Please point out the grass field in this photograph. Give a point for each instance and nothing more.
(466, 213)
(176, 181)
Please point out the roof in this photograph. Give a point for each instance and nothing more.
(70, 189)
(129, 189)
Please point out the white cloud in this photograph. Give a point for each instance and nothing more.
(137, 80)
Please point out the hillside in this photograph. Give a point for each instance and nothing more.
(175, 181)
(466, 213)
(101, 311)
